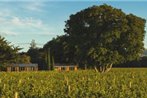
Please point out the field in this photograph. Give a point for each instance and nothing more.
(118, 83)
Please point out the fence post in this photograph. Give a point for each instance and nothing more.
(16, 95)
(67, 68)
(36, 68)
(59, 68)
(8, 69)
(16, 68)
(75, 68)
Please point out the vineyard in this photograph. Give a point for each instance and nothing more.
(118, 83)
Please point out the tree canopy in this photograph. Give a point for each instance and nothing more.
(103, 35)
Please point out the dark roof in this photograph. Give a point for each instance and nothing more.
(23, 65)
(64, 66)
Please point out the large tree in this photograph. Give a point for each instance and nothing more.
(103, 36)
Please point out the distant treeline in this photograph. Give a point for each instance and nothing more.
(142, 62)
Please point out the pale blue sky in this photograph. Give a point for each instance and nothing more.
(41, 20)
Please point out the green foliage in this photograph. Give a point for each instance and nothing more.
(103, 35)
(60, 49)
(8, 53)
(49, 60)
(23, 59)
(99, 36)
(37, 56)
(53, 63)
(118, 83)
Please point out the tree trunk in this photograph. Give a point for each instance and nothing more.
(85, 66)
(96, 69)
(106, 68)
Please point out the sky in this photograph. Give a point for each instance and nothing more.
(22, 21)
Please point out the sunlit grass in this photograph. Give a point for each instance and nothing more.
(118, 83)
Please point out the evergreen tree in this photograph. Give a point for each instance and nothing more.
(8, 53)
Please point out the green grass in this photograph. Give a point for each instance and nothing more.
(118, 83)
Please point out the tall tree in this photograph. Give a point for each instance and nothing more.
(37, 56)
(49, 59)
(33, 44)
(103, 36)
